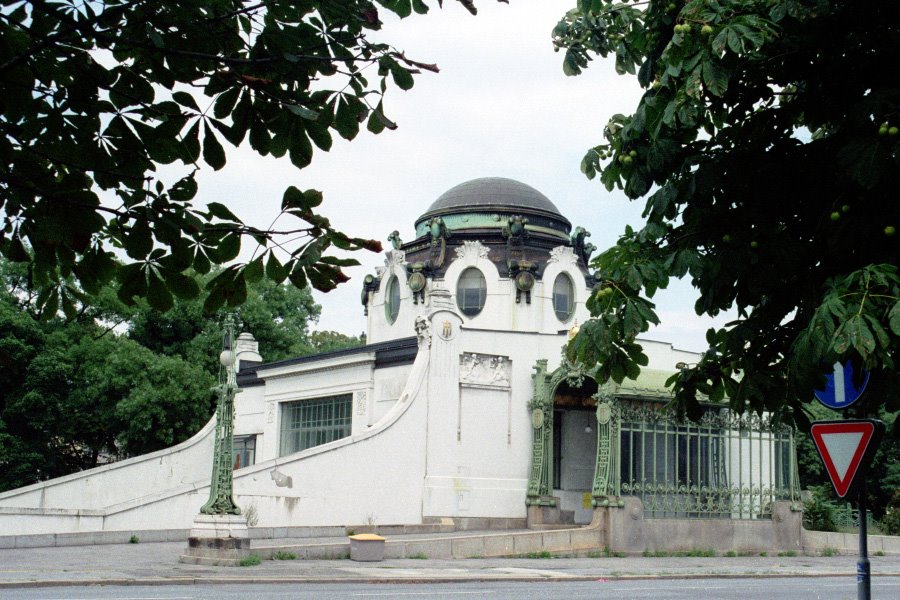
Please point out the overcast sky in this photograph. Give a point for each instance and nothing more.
(500, 106)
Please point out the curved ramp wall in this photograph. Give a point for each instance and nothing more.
(372, 476)
(123, 481)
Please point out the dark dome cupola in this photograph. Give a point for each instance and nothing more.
(489, 202)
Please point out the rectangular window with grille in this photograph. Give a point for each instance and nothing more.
(308, 423)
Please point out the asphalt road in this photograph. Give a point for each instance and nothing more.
(800, 588)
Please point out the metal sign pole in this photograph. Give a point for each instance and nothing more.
(863, 568)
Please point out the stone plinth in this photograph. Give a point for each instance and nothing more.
(217, 540)
(366, 547)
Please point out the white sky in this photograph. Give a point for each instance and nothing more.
(500, 106)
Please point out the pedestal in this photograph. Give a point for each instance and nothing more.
(218, 540)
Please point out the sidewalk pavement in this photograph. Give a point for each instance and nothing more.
(157, 564)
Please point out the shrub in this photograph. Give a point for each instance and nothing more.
(890, 523)
(818, 511)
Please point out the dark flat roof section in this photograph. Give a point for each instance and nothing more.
(387, 354)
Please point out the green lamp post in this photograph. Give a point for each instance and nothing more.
(221, 501)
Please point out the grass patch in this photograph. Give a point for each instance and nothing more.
(541, 554)
(730, 554)
(693, 553)
(788, 553)
(250, 561)
(134, 539)
(763, 553)
(828, 551)
(282, 555)
(418, 556)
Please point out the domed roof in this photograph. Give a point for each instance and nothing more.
(494, 195)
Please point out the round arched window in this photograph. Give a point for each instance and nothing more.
(392, 300)
(471, 292)
(563, 297)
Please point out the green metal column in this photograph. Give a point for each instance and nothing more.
(542, 437)
(221, 501)
(606, 476)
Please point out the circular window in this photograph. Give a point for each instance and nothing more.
(563, 297)
(471, 292)
(392, 300)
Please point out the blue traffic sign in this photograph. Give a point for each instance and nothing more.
(840, 390)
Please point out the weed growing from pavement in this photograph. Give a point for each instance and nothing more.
(827, 551)
(418, 556)
(764, 554)
(134, 539)
(879, 553)
(694, 553)
(282, 555)
(250, 561)
(541, 554)
(788, 553)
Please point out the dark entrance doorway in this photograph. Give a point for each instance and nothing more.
(574, 448)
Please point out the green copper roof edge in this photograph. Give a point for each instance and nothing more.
(463, 221)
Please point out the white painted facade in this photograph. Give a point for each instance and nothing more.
(440, 419)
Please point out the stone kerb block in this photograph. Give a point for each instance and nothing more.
(366, 547)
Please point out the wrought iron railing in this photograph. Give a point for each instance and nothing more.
(724, 466)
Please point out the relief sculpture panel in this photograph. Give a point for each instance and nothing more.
(484, 369)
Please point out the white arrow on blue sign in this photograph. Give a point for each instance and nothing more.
(840, 390)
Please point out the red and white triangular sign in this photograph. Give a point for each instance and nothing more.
(846, 448)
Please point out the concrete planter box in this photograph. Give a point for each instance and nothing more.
(366, 547)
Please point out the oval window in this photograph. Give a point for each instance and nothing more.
(471, 292)
(563, 297)
(392, 300)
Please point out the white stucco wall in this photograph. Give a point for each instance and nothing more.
(447, 436)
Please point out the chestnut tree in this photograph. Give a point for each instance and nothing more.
(95, 97)
(766, 151)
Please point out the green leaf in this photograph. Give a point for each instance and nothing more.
(402, 77)
(715, 77)
(274, 269)
(184, 189)
(302, 111)
(225, 102)
(228, 248)
(185, 99)
(139, 240)
(213, 152)
(181, 285)
(221, 211)
(253, 271)
(894, 318)
(158, 294)
(133, 283)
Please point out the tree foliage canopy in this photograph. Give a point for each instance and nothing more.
(98, 96)
(766, 147)
(76, 393)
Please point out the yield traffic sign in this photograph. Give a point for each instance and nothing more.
(847, 449)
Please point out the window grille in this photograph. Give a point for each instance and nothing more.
(309, 423)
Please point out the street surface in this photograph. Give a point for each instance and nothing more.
(800, 588)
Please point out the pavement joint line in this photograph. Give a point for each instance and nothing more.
(220, 580)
